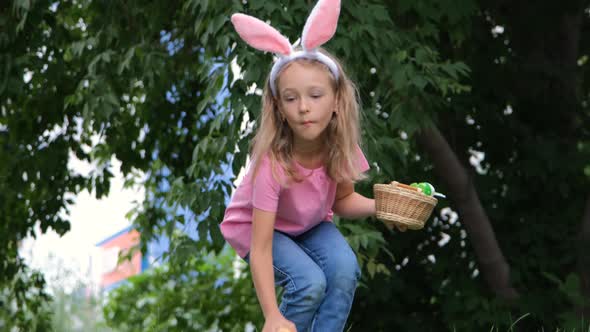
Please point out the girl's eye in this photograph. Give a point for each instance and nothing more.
(316, 96)
(289, 99)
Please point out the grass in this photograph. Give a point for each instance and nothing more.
(513, 329)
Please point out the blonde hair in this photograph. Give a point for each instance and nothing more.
(275, 139)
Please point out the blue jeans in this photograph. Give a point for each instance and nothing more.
(318, 272)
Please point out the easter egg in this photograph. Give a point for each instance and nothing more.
(429, 189)
(425, 187)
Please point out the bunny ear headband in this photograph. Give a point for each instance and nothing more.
(319, 28)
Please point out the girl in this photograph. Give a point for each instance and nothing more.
(306, 157)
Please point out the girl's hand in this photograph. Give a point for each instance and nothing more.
(278, 323)
(284, 329)
(401, 227)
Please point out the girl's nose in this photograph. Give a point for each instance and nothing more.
(303, 106)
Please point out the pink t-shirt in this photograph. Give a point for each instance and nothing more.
(298, 207)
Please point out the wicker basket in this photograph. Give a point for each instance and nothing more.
(402, 204)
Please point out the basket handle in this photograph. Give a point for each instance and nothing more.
(405, 186)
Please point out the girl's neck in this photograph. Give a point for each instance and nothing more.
(309, 155)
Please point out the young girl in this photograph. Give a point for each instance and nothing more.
(306, 158)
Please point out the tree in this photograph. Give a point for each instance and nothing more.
(441, 82)
(24, 302)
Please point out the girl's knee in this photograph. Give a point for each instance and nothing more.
(310, 291)
(345, 266)
(314, 288)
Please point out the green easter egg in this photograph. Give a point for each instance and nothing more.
(426, 188)
(432, 191)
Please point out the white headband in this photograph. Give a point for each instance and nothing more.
(312, 55)
(319, 28)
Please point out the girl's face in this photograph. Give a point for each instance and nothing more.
(306, 101)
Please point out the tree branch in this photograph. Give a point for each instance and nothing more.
(447, 166)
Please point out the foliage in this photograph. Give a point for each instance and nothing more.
(208, 292)
(571, 288)
(24, 302)
(152, 84)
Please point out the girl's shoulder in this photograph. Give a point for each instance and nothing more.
(266, 163)
(268, 167)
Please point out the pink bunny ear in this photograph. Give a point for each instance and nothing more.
(321, 24)
(260, 35)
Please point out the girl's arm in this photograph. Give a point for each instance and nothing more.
(351, 205)
(263, 272)
(261, 261)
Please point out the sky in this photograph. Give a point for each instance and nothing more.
(66, 259)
